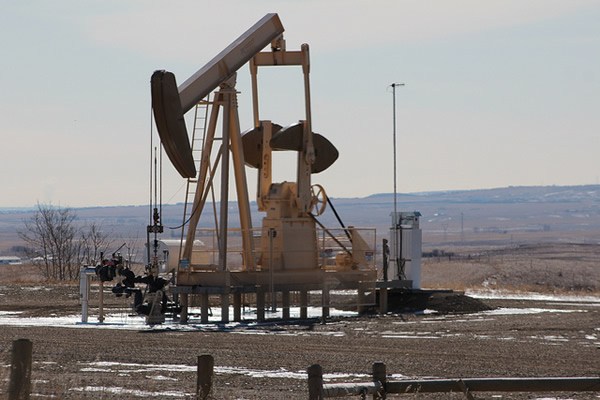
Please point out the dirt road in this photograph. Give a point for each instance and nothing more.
(268, 361)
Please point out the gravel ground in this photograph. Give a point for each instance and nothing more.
(268, 361)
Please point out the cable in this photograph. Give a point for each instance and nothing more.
(330, 234)
(339, 219)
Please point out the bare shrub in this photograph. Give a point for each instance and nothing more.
(57, 246)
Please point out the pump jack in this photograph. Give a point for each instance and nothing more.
(288, 254)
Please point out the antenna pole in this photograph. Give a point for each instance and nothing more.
(396, 255)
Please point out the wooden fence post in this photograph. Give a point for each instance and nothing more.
(380, 375)
(315, 382)
(204, 382)
(19, 385)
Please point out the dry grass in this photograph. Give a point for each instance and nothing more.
(544, 268)
(22, 273)
(540, 268)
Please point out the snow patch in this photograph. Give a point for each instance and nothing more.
(282, 373)
(522, 311)
(505, 295)
(137, 393)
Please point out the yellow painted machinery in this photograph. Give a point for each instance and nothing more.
(292, 251)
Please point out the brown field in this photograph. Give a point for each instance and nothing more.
(549, 267)
(94, 363)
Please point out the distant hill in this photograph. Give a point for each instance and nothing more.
(511, 194)
(447, 216)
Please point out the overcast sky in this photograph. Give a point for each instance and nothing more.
(497, 93)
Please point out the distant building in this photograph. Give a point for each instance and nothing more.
(10, 260)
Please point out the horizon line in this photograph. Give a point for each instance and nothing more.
(421, 193)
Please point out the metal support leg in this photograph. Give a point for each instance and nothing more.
(204, 308)
(285, 307)
(383, 301)
(237, 307)
(361, 298)
(260, 304)
(225, 308)
(183, 318)
(303, 304)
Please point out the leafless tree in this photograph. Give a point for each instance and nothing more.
(56, 243)
(93, 243)
(51, 233)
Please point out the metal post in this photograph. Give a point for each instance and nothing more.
(271, 268)
(285, 307)
(396, 255)
(101, 302)
(260, 304)
(84, 294)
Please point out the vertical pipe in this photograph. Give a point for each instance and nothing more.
(150, 187)
(271, 268)
(101, 301)
(396, 255)
(84, 294)
(395, 191)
